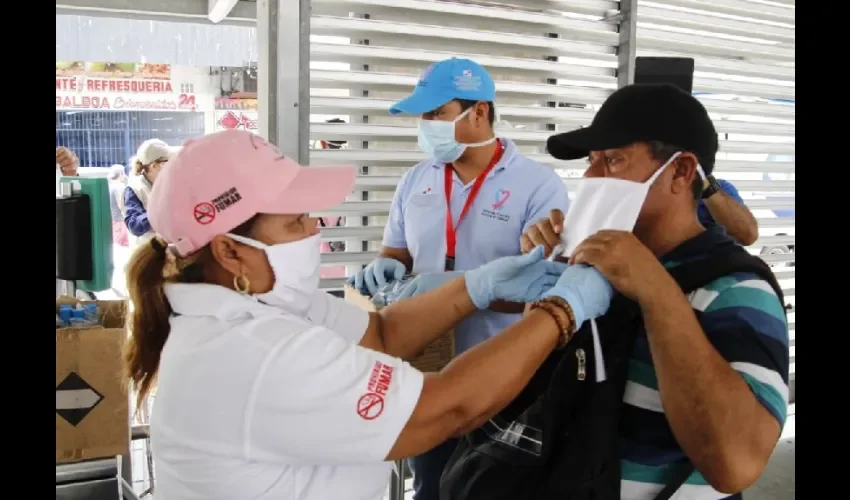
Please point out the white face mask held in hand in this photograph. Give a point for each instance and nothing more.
(604, 203)
(296, 272)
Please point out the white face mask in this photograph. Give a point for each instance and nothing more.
(437, 139)
(296, 272)
(605, 203)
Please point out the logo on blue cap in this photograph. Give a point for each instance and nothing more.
(444, 81)
(423, 78)
(466, 82)
(426, 73)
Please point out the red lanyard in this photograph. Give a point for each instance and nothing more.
(451, 230)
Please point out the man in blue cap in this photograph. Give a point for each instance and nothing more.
(466, 205)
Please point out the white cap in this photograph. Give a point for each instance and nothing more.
(154, 149)
(115, 171)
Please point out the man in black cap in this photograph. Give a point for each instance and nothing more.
(708, 376)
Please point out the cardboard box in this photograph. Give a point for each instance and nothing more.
(92, 405)
(435, 356)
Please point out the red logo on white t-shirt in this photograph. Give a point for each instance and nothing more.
(371, 405)
(380, 379)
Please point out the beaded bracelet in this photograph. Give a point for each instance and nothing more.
(566, 307)
(555, 311)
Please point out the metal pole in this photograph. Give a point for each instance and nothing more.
(397, 481)
(283, 75)
(626, 48)
(394, 485)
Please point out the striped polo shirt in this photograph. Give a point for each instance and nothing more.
(745, 321)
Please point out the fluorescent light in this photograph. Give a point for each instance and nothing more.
(219, 9)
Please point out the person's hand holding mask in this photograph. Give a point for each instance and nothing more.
(545, 232)
(631, 267)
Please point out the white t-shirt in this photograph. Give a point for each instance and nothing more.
(255, 403)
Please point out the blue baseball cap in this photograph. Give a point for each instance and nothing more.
(444, 81)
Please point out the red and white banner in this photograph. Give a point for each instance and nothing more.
(233, 119)
(133, 102)
(82, 83)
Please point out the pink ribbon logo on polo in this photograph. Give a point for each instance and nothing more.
(502, 196)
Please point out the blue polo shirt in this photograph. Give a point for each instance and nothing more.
(727, 187)
(514, 195)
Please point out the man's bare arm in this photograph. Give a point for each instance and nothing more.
(734, 216)
(716, 418)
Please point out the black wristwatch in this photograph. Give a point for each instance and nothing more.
(713, 187)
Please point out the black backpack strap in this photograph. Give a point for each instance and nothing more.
(681, 475)
(694, 275)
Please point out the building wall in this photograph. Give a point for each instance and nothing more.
(104, 116)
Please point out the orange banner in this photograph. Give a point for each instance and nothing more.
(113, 70)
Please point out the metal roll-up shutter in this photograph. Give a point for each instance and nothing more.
(552, 69)
(744, 74)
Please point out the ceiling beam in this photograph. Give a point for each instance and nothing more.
(182, 11)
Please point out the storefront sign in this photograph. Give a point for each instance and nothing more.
(126, 78)
(132, 102)
(88, 84)
(234, 104)
(244, 120)
(113, 70)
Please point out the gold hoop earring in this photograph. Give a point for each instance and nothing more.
(241, 284)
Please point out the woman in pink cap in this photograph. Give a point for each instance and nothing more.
(268, 387)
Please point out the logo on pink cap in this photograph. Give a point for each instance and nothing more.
(204, 213)
(221, 180)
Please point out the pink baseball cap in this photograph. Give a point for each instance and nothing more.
(218, 181)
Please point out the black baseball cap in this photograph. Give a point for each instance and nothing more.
(643, 112)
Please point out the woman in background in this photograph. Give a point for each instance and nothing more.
(152, 155)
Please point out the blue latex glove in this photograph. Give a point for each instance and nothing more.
(522, 278)
(587, 292)
(427, 282)
(381, 271)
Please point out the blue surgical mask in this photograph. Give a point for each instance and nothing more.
(437, 139)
